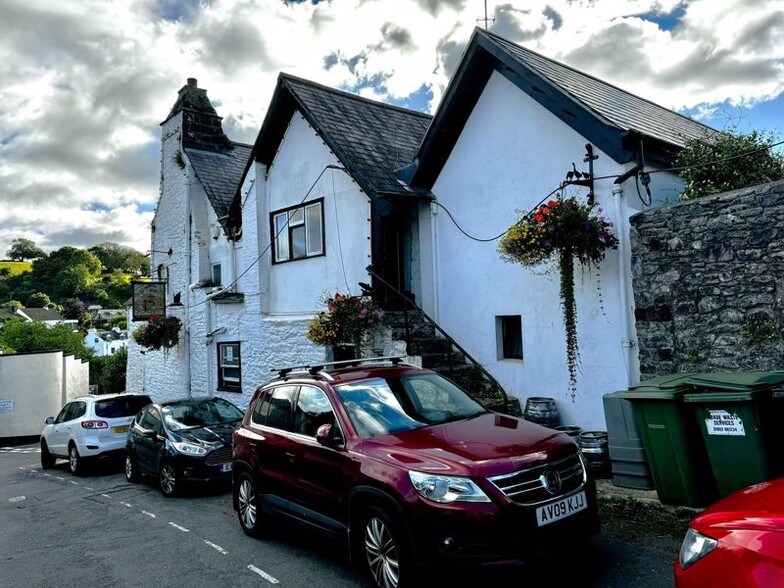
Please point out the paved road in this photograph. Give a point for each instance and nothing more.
(60, 530)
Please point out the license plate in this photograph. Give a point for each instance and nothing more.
(121, 429)
(560, 509)
(225, 467)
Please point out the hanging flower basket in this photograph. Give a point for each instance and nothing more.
(346, 320)
(160, 332)
(566, 230)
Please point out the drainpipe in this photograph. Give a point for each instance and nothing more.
(628, 334)
(434, 255)
(190, 281)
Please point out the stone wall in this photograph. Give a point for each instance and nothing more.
(708, 283)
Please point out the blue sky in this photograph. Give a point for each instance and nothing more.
(85, 84)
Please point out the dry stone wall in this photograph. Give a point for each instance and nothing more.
(708, 278)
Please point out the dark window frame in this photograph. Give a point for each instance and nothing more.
(509, 333)
(289, 231)
(230, 385)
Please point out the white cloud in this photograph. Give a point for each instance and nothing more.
(83, 85)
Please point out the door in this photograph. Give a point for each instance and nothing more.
(148, 448)
(59, 435)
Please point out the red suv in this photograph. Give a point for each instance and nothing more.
(407, 469)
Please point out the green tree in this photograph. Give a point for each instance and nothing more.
(108, 372)
(22, 249)
(38, 300)
(72, 309)
(25, 337)
(66, 273)
(728, 161)
(122, 258)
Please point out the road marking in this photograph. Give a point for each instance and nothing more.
(149, 514)
(105, 495)
(88, 488)
(60, 478)
(126, 504)
(17, 499)
(34, 470)
(263, 574)
(47, 475)
(72, 482)
(217, 548)
(176, 526)
(22, 468)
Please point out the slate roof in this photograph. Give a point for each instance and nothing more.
(43, 314)
(618, 107)
(621, 124)
(220, 173)
(371, 139)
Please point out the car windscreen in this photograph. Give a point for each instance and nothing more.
(200, 413)
(124, 406)
(382, 406)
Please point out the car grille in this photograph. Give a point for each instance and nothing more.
(528, 487)
(219, 456)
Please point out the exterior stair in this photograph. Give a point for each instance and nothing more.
(441, 354)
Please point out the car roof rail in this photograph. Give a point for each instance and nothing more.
(315, 369)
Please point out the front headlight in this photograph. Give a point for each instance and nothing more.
(446, 488)
(189, 448)
(695, 546)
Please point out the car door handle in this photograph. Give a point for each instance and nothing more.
(291, 456)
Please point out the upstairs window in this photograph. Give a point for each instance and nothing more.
(298, 232)
(216, 273)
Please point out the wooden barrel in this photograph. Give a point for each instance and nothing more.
(593, 446)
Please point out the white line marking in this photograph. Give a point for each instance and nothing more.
(88, 488)
(60, 478)
(126, 504)
(263, 574)
(17, 499)
(149, 514)
(72, 482)
(176, 526)
(105, 495)
(34, 470)
(22, 468)
(47, 475)
(217, 548)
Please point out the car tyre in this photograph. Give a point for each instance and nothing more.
(75, 461)
(386, 551)
(131, 469)
(168, 480)
(246, 497)
(47, 459)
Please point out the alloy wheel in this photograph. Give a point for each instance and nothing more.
(168, 479)
(73, 459)
(246, 501)
(381, 553)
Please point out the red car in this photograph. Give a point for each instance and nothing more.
(406, 469)
(737, 542)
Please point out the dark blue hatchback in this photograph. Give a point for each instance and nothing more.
(182, 441)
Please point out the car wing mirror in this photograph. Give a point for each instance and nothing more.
(49, 420)
(324, 435)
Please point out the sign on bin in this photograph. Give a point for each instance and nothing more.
(722, 422)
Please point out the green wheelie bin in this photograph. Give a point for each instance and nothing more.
(676, 454)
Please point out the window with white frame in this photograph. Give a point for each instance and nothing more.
(229, 368)
(298, 232)
(509, 336)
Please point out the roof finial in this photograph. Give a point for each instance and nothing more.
(486, 19)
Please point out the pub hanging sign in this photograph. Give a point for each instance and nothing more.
(149, 299)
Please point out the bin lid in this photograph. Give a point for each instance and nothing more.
(651, 394)
(715, 397)
(738, 381)
(670, 382)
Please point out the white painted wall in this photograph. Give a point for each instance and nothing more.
(512, 153)
(34, 386)
(101, 346)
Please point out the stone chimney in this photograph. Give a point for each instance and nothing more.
(201, 125)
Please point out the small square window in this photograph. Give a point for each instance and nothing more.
(509, 336)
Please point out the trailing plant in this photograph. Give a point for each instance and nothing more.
(345, 320)
(565, 230)
(160, 332)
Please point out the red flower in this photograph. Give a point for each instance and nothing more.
(538, 218)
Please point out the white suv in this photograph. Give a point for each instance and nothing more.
(89, 427)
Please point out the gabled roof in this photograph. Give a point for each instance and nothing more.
(610, 118)
(220, 174)
(43, 314)
(371, 139)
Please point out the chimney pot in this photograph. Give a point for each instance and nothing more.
(193, 82)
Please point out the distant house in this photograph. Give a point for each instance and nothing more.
(106, 342)
(338, 190)
(46, 316)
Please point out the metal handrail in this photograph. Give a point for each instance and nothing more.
(443, 333)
